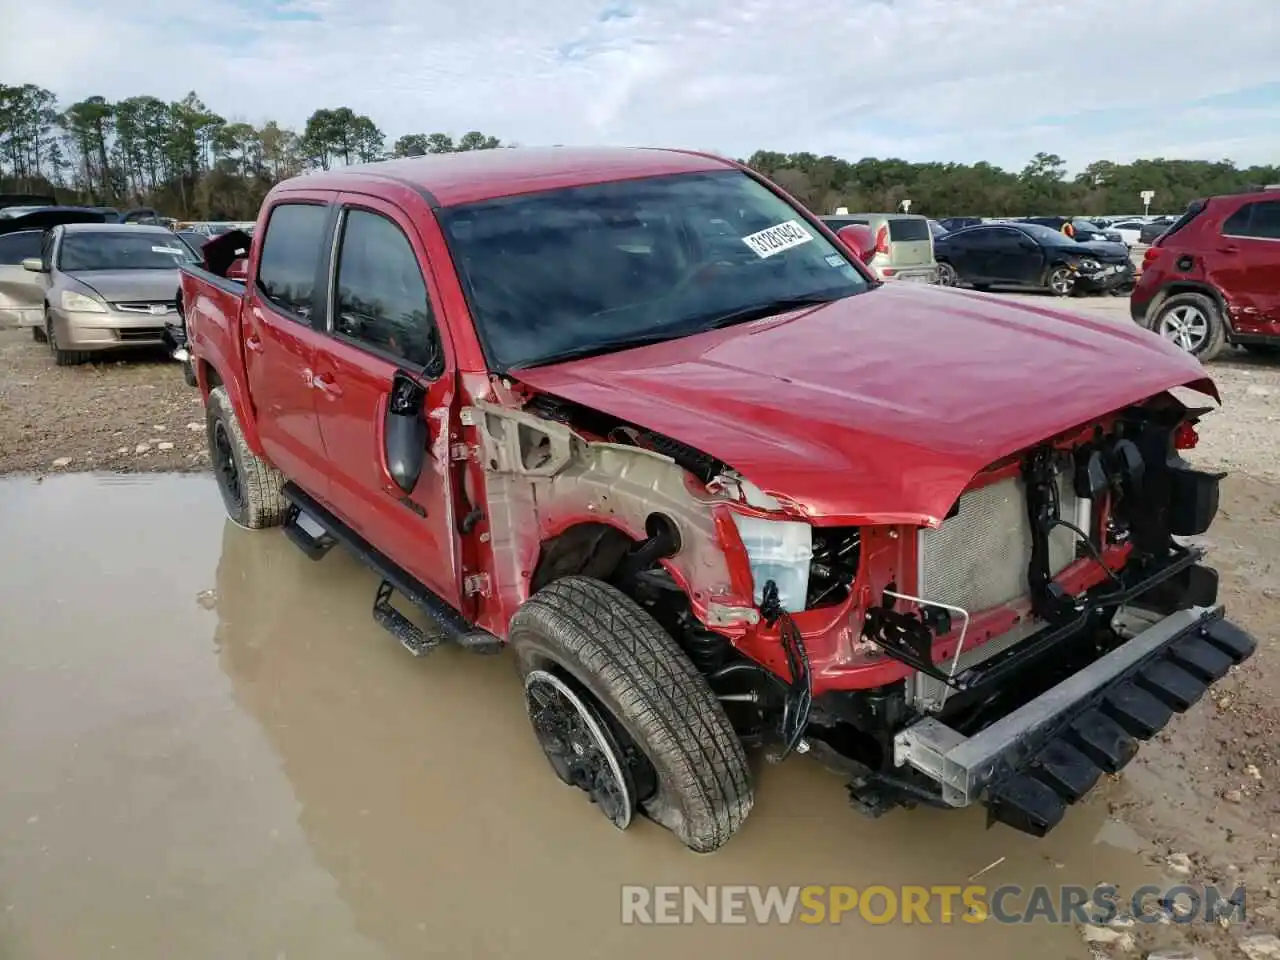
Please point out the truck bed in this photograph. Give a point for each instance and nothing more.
(210, 306)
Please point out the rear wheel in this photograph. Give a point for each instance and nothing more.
(622, 713)
(38, 334)
(1193, 322)
(250, 487)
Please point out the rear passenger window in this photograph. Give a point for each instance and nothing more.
(1266, 220)
(381, 298)
(290, 254)
(907, 230)
(1260, 220)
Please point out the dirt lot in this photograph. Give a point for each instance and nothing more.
(1206, 804)
(124, 414)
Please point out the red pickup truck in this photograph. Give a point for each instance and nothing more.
(644, 419)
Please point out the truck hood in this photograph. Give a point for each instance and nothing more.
(879, 408)
(116, 286)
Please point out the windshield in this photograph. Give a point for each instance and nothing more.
(122, 250)
(1046, 235)
(590, 268)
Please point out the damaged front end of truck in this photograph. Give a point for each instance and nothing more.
(1005, 640)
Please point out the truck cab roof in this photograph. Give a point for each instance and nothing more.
(451, 179)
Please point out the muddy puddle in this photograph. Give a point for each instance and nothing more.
(209, 749)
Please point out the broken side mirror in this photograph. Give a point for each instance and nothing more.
(859, 241)
(405, 434)
(239, 270)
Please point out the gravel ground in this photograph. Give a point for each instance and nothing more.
(131, 412)
(1207, 801)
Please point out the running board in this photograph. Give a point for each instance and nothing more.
(412, 637)
(452, 625)
(306, 533)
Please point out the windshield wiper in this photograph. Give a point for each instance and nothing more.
(604, 346)
(758, 311)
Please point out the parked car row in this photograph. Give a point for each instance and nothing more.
(116, 284)
(84, 284)
(1210, 278)
(1033, 255)
(1130, 230)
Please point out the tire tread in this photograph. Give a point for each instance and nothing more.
(658, 694)
(264, 502)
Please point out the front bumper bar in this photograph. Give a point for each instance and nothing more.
(1030, 764)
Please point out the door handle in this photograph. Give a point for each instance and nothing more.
(326, 386)
(253, 342)
(1229, 248)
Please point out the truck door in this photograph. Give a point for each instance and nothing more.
(389, 460)
(284, 299)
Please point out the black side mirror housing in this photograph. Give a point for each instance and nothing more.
(406, 434)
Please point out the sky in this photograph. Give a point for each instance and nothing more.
(948, 80)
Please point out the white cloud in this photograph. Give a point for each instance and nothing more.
(921, 79)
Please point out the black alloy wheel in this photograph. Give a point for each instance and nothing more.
(581, 748)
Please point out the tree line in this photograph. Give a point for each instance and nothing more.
(181, 158)
(1041, 188)
(187, 161)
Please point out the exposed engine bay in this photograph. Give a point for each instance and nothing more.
(1021, 587)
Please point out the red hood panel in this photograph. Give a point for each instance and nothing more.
(880, 407)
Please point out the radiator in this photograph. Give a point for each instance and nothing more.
(979, 557)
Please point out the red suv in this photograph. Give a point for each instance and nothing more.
(1213, 277)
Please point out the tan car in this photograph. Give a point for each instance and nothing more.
(904, 244)
(107, 286)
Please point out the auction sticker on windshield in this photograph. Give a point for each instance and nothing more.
(777, 239)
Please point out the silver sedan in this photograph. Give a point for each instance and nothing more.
(107, 286)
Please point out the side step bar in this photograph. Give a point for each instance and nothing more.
(1029, 765)
(452, 625)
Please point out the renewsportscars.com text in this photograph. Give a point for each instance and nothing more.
(938, 904)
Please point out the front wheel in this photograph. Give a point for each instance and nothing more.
(1061, 281)
(946, 275)
(62, 358)
(1193, 322)
(250, 487)
(621, 713)
(38, 334)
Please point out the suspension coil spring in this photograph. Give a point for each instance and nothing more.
(707, 650)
